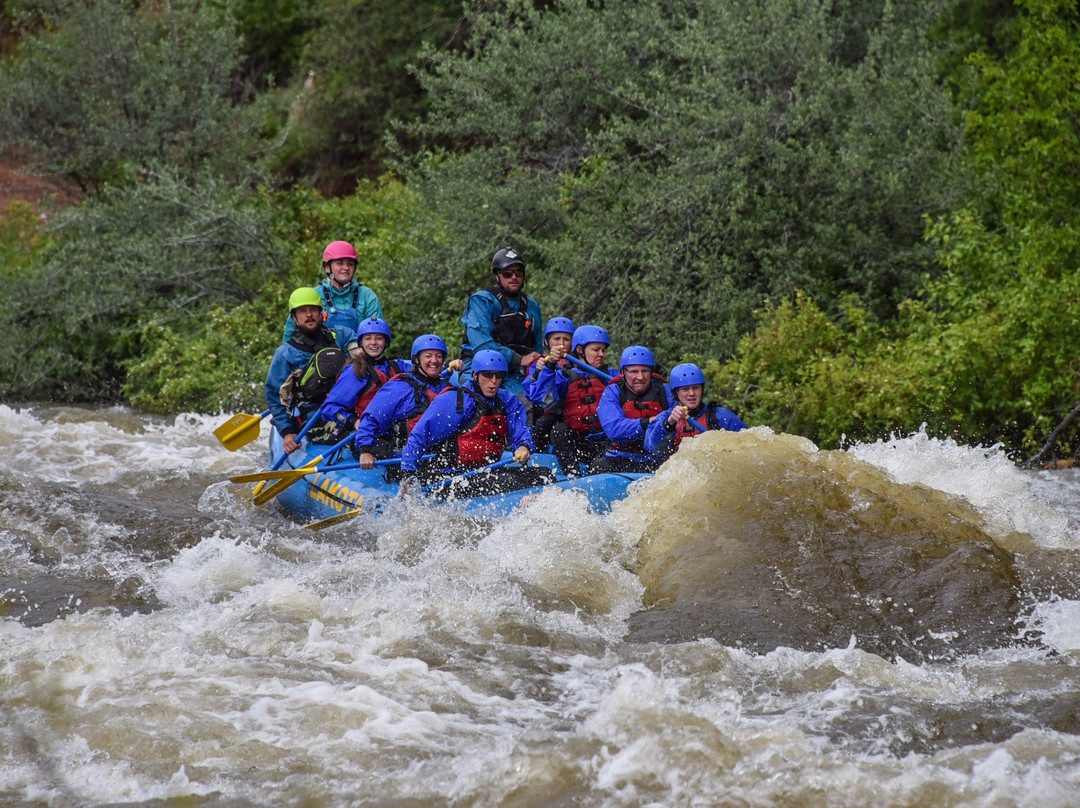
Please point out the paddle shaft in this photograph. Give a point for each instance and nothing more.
(352, 464)
(263, 476)
(573, 360)
(498, 464)
(300, 436)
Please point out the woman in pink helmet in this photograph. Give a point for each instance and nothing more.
(346, 302)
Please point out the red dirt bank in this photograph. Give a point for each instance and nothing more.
(16, 185)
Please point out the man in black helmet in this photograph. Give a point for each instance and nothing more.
(504, 319)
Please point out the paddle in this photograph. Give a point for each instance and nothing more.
(266, 494)
(333, 520)
(240, 430)
(305, 470)
(300, 436)
(573, 360)
(695, 425)
(498, 464)
(290, 477)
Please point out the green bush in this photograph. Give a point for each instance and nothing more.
(988, 351)
(101, 91)
(665, 167)
(159, 251)
(218, 361)
(220, 365)
(22, 238)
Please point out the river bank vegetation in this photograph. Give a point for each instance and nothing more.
(860, 216)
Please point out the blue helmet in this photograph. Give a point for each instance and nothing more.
(489, 360)
(373, 325)
(558, 325)
(589, 333)
(685, 375)
(428, 342)
(636, 355)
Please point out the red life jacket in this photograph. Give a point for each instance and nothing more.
(684, 430)
(422, 398)
(652, 402)
(376, 379)
(583, 393)
(480, 439)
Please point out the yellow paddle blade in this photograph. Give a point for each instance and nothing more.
(272, 491)
(334, 520)
(287, 478)
(238, 431)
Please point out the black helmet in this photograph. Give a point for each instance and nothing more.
(507, 257)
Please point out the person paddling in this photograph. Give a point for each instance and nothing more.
(361, 380)
(469, 427)
(558, 334)
(392, 414)
(673, 426)
(577, 439)
(630, 402)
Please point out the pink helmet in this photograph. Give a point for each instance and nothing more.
(339, 249)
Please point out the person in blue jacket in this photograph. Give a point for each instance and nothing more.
(391, 415)
(361, 380)
(630, 402)
(309, 336)
(577, 438)
(504, 319)
(672, 427)
(346, 302)
(469, 427)
(558, 334)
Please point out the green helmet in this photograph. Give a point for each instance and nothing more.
(305, 296)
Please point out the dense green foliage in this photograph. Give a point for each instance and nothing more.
(218, 361)
(104, 89)
(161, 250)
(894, 190)
(668, 165)
(129, 102)
(353, 83)
(988, 351)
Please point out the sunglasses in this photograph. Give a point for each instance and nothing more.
(491, 374)
(512, 273)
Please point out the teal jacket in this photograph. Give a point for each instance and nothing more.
(480, 319)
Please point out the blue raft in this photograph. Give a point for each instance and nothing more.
(323, 495)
